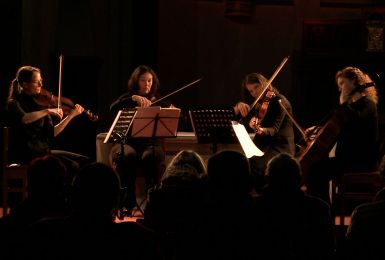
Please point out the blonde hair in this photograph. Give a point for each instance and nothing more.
(186, 160)
(23, 75)
(359, 78)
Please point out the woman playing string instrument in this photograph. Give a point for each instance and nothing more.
(146, 153)
(357, 141)
(32, 125)
(273, 128)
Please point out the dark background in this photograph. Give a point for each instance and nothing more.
(183, 40)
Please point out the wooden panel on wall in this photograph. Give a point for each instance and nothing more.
(351, 3)
(329, 35)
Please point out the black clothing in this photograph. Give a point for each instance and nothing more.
(28, 141)
(144, 153)
(357, 144)
(278, 136)
(278, 128)
(356, 150)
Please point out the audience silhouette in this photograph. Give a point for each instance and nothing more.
(47, 197)
(291, 224)
(364, 238)
(90, 230)
(176, 207)
(198, 210)
(231, 211)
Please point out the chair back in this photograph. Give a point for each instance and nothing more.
(14, 176)
(354, 189)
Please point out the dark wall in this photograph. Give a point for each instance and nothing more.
(10, 50)
(320, 37)
(183, 40)
(101, 41)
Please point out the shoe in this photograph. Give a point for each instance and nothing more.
(124, 212)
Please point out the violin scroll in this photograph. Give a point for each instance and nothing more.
(91, 115)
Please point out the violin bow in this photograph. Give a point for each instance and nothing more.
(172, 93)
(271, 80)
(60, 80)
(293, 120)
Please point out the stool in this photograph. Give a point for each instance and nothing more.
(354, 189)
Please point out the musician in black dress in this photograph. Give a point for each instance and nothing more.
(33, 125)
(273, 128)
(357, 140)
(146, 154)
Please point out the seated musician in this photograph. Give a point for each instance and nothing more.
(274, 132)
(35, 125)
(139, 153)
(357, 148)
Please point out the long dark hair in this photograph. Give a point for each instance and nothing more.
(253, 78)
(133, 86)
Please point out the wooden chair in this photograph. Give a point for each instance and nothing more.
(14, 176)
(354, 189)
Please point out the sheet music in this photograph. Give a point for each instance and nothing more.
(248, 146)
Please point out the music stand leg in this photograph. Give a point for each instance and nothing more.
(129, 212)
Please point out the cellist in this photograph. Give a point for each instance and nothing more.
(267, 119)
(357, 141)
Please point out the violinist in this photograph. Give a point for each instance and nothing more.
(357, 142)
(273, 129)
(145, 153)
(32, 125)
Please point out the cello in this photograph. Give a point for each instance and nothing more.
(319, 144)
(324, 138)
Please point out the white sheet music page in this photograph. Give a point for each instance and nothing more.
(248, 146)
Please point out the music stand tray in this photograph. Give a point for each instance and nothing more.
(213, 125)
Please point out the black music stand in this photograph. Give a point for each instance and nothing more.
(119, 130)
(213, 125)
(149, 122)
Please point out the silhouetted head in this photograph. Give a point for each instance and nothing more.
(283, 173)
(96, 189)
(46, 178)
(229, 173)
(185, 165)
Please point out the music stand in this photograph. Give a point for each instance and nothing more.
(149, 122)
(213, 125)
(119, 129)
(155, 122)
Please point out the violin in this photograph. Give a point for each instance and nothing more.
(264, 105)
(266, 95)
(46, 99)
